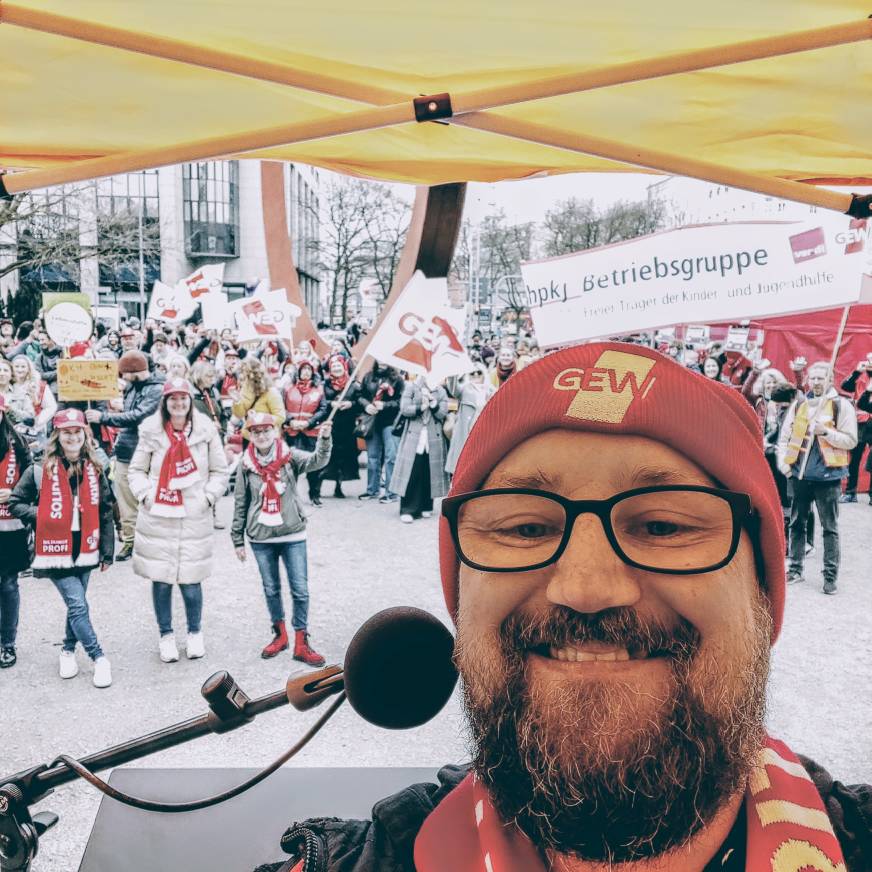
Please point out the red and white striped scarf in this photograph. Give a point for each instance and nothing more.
(788, 827)
(9, 475)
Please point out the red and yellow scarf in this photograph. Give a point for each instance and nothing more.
(177, 472)
(9, 475)
(788, 829)
(58, 515)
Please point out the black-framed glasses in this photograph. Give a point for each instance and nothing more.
(674, 529)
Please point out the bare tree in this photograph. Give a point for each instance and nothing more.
(363, 228)
(574, 225)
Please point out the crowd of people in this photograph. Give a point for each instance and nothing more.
(202, 416)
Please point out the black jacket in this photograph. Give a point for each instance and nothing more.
(386, 843)
(24, 502)
(15, 553)
(47, 364)
(141, 400)
(368, 389)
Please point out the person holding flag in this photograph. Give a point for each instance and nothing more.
(68, 502)
(14, 460)
(177, 474)
(267, 509)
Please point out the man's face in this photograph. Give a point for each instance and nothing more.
(45, 341)
(5, 330)
(263, 437)
(231, 363)
(818, 380)
(611, 759)
(128, 341)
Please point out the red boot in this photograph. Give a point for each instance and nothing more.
(279, 642)
(303, 652)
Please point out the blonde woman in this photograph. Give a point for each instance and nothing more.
(256, 394)
(31, 401)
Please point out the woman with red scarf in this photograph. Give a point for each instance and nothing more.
(14, 460)
(343, 464)
(306, 408)
(267, 509)
(70, 504)
(177, 474)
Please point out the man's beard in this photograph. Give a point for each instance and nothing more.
(607, 770)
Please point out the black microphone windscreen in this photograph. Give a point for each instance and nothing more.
(398, 670)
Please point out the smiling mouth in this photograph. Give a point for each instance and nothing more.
(592, 652)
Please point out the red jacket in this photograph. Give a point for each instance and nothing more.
(307, 406)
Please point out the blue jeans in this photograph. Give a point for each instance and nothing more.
(381, 448)
(293, 555)
(74, 588)
(9, 603)
(162, 597)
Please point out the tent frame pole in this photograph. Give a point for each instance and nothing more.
(662, 161)
(470, 101)
(464, 107)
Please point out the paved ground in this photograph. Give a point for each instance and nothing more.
(362, 560)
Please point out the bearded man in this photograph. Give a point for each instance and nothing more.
(617, 579)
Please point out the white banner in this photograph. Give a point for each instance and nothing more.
(170, 304)
(208, 279)
(707, 273)
(265, 316)
(217, 312)
(421, 332)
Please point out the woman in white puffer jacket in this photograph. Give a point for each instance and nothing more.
(178, 472)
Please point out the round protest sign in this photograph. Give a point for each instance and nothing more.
(68, 323)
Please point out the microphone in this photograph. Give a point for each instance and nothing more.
(398, 671)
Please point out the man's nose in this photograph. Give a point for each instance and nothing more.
(589, 576)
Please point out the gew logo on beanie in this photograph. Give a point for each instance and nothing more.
(605, 391)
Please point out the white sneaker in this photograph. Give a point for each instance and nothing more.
(102, 672)
(426, 514)
(406, 519)
(67, 665)
(168, 651)
(196, 646)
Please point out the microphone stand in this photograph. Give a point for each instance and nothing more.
(230, 707)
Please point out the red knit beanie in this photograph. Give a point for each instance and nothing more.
(612, 387)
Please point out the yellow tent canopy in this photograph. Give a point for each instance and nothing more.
(751, 94)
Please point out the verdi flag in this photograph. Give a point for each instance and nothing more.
(421, 332)
(698, 275)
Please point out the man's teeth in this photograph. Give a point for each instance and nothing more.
(579, 655)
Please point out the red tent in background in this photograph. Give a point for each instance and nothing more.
(813, 334)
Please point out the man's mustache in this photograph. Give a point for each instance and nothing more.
(621, 627)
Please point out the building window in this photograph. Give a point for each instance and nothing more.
(211, 207)
(48, 240)
(128, 221)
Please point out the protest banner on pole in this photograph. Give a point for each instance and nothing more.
(172, 305)
(81, 380)
(206, 280)
(701, 274)
(421, 333)
(68, 318)
(265, 316)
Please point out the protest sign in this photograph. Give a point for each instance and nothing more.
(217, 312)
(67, 318)
(705, 273)
(265, 316)
(420, 333)
(80, 380)
(170, 304)
(206, 280)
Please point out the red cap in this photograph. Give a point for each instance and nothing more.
(68, 419)
(612, 387)
(177, 386)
